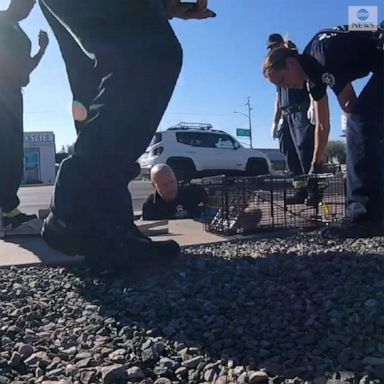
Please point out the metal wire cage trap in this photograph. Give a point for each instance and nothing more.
(260, 203)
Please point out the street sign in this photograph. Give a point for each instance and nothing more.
(243, 132)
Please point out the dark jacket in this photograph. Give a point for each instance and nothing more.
(189, 203)
(335, 57)
(15, 54)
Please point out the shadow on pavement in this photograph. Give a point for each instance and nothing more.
(33, 250)
(293, 315)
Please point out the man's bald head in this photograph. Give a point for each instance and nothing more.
(164, 180)
(160, 169)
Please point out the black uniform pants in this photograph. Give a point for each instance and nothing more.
(11, 147)
(365, 152)
(296, 139)
(122, 60)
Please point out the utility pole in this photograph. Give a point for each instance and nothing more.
(248, 104)
(248, 116)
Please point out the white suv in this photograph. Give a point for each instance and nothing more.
(196, 150)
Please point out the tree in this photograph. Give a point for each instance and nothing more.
(70, 149)
(64, 152)
(336, 152)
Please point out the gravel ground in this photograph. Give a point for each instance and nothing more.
(288, 310)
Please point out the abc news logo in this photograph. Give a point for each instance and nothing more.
(362, 18)
(363, 27)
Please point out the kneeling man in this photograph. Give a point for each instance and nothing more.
(171, 201)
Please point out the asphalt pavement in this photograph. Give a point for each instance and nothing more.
(30, 250)
(37, 197)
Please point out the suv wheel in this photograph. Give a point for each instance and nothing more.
(256, 167)
(184, 168)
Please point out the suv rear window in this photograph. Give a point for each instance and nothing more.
(223, 142)
(206, 140)
(195, 139)
(156, 138)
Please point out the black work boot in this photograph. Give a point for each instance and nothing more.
(316, 188)
(71, 240)
(121, 252)
(94, 218)
(313, 200)
(298, 198)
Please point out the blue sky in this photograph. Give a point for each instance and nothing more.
(222, 67)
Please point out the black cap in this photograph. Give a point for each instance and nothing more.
(274, 38)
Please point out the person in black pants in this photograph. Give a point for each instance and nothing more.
(171, 201)
(122, 72)
(293, 128)
(16, 64)
(335, 58)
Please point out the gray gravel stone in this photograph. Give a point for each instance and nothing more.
(39, 372)
(210, 375)
(305, 309)
(135, 374)
(162, 380)
(25, 350)
(147, 380)
(83, 363)
(258, 377)
(192, 363)
(112, 373)
(243, 378)
(33, 359)
(221, 380)
(15, 359)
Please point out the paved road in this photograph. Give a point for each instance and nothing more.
(34, 198)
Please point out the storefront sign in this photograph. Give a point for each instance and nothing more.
(39, 137)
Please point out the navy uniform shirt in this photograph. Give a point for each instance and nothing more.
(15, 54)
(335, 57)
(289, 97)
(189, 203)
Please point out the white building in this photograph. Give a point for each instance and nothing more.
(39, 157)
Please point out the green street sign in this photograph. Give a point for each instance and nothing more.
(243, 132)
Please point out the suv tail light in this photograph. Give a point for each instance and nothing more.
(158, 151)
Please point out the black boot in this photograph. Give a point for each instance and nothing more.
(313, 200)
(97, 221)
(316, 187)
(298, 198)
(123, 251)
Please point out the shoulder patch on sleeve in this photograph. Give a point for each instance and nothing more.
(329, 79)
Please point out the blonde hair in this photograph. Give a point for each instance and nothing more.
(276, 59)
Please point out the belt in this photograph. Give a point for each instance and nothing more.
(294, 108)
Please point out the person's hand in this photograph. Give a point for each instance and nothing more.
(274, 131)
(43, 40)
(197, 10)
(311, 115)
